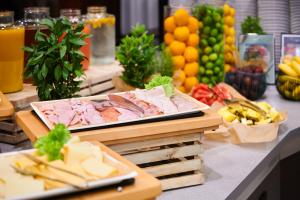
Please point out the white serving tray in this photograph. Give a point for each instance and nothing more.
(125, 173)
(201, 107)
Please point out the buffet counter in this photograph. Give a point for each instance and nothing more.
(235, 171)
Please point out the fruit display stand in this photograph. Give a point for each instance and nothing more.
(169, 150)
(145, 186)
(97, 80)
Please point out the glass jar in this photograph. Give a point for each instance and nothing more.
(31, 22)
(103, 34)
(75, 17)
(11, 53)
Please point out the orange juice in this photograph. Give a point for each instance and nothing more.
(11, 59)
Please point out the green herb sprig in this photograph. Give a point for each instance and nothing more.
(54, 62)
(252, 25)
(136, 53)
(51, 144)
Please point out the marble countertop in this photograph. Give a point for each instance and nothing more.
(234, 171)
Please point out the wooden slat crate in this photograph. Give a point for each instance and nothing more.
(98, 80)
(176, 161)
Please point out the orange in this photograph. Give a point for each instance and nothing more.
(229, 21)
(181, 33)
(181, 89)
(227, 48)
(227, 67)
(179, 77)
(193, 24)
(231, 32)
(168, 38)
(181, 17)
(232, 12)
(190, 82)
(169, 24)
(191, 69)
(229, 40)
(177, 48)
(178, 62)
(226, 9)
(193, 40)
(191, 54)
(226, 30)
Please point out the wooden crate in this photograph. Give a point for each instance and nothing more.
(98, 80)
(176, 161)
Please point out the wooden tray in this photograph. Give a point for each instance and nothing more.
(6, 108)
(34, 128)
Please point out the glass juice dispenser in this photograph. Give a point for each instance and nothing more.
(11, 53)
(103, 35)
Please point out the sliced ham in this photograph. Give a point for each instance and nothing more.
(183, 104)
(65, 116)
(92, 116)
(126, 114)
(46, 107)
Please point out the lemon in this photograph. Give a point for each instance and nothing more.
(181, 33)
(178, 62)
(232, 12)
(181, 17)
(169, 24)
(177, 48)
(231, 32)
(191, 54)
(191, 69)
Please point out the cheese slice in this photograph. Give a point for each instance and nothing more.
(75, 153)
(95, 168)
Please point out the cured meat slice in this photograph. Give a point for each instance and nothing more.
(183, 104)
(126, 114)
(110, 114)
(46, 107)
(65, 116)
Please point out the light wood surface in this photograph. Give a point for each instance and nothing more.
(6, 108)
(145, 186)
(34, 128)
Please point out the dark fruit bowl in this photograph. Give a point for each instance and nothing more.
(251, 85)
(288, 87)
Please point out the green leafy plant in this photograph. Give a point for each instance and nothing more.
(54, 62)
(164, 62)
(252, 25)
(51, 144)
(164, 81)
(137, 55)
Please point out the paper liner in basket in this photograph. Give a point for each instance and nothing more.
(238, 133)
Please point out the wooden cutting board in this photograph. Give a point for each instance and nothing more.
(6, 108)
(35, 128)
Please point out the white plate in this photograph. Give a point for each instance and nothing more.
(201, 107)
(127, 173)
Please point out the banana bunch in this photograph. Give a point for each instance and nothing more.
(289, 83)
(290, 66)
(239, 113)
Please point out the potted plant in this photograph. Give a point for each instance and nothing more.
(54, 63)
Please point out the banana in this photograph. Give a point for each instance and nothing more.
(296, 67)
(284, 78)
(297, 59)
(287, 70)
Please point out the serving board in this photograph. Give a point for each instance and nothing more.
(34, 128)
(183, 114)
(144, 187)
(6, 108)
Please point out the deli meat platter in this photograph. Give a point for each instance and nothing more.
(118, 109)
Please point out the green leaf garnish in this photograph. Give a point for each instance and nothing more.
(51, 144)
(164, 81)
